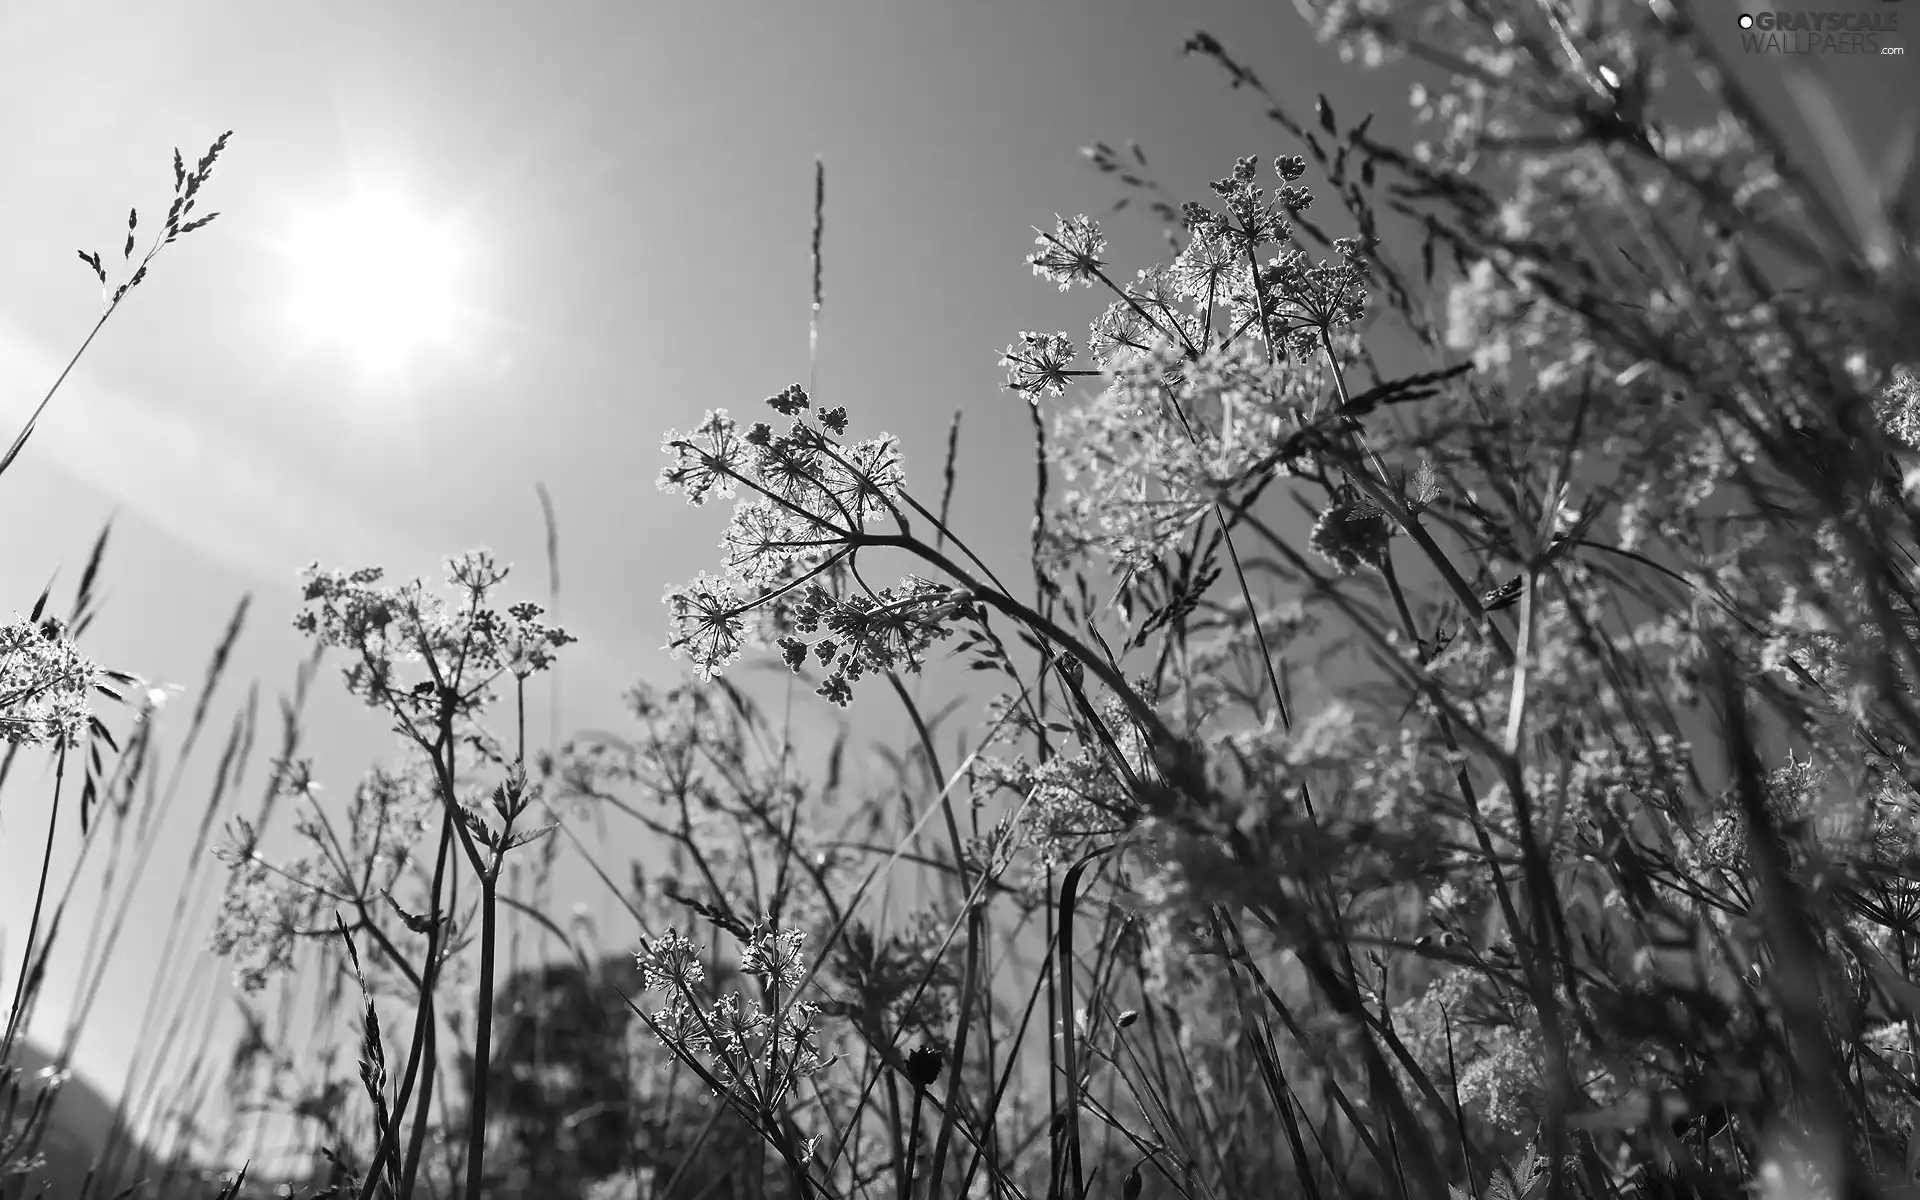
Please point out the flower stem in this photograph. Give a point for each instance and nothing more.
(482, 1034)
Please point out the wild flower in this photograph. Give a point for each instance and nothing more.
(1070, 254)
(1472, 873)
(1147, 458)
(1073, 799)
(1209, 268)
(462, 648)
(814, 500)
(757, 1049)
(1899, 405)
(45, 684)
(708, 617)
(1148, 307)
(1037, 365)
(360, 864)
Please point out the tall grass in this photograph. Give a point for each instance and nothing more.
(1533, 818)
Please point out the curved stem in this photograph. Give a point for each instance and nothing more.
(1095, 663)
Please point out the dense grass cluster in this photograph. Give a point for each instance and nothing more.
(1538, 815)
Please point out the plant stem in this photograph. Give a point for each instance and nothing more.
(26, 430)
(913, 1143)
(16, 1011)
(482, 1034)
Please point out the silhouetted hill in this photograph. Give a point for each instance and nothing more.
(79, 1129)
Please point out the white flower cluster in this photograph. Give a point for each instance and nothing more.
(44, 684)
(755, 1049)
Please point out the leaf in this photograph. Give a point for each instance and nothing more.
(508, 792)
(476, 826)
(413, 921)
(530, 835)
(1530, 1174)
(1425, 488)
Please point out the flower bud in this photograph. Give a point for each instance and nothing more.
(923, 1066)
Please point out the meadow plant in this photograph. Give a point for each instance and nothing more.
(1521, 888)
(1453, 735)
(433, 664)
(48, 685)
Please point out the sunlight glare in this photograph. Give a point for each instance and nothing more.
(377, 278)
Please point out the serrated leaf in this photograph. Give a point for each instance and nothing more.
(530, 835)
(476, 826)
(1425, 488)
(413, 921)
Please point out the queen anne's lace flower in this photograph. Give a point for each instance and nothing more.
(774, 955)
(45, 682)
(756, 1049)
(1037, 364)
(1210, 268)
(1899, 406)
(269, 908)
(707, 461)
(388, 630)
(1153, 451)
(1070, 254)
(708, 622)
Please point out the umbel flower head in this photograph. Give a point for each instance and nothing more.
(44, 684)
(755, 1049)
(1037, 365)
(468, 643)
(811, 499)
(1071, 253)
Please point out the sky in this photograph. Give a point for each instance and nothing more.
(630, 189)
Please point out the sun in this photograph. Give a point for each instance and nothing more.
(377, 278)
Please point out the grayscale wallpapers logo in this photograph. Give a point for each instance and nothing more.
(1801, 31)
